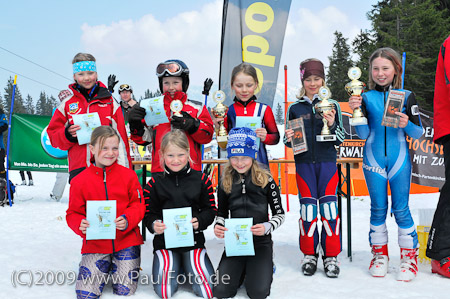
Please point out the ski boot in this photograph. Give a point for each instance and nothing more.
(30, 183)
(408, 264)
(309, 265)
(441, 267)
(380, 262)
(24, 183)
(331, 266)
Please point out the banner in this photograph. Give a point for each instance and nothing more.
(30, 147)
(253, 32)
(427, 157)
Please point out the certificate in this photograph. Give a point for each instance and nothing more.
(154, 109)
(101, 215)
(252, 122)
(179, 231)
(394, 104)
(88, 122)
(298, 143)
(238, 237)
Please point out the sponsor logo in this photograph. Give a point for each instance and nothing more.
(73, 108)
(237, 150)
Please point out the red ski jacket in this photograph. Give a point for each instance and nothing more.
(110, 114)
(442, 93)
(114, 182)
(203, 135)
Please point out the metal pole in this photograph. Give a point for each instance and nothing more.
(8, 187)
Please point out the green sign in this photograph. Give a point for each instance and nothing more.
(30, 147)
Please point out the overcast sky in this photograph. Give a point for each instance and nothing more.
(130, 38)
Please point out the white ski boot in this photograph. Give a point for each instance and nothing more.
(408, 264)
(309, 265)
(331, 266)
(380, 262)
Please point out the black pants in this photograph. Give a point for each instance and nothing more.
(438, 246)
(22, 175)
(258, 272)
(2, 164)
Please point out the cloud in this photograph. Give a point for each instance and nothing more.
(311, 34)
(137, 46)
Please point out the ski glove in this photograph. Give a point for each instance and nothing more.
(207, 86)
(112, 82)
(185, 122)
(135, 118)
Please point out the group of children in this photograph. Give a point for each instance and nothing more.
(246, 188)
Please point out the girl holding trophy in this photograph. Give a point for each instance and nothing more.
(316, 170)
(244, 83)
(388, 161)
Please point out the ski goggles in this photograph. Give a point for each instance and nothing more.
(172, 68)
(125, 87)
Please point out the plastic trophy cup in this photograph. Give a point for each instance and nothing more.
(356, 88)
(176, 106)
(219, 112)
(323, 107)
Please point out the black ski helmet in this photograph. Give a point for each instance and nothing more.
(173, 68)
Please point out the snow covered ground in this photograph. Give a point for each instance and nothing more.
(35, 239)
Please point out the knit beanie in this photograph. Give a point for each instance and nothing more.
(241, 142)
(311, 67)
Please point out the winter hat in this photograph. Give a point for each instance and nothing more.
(242, 142)
(311, 67)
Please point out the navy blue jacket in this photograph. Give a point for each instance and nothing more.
(317, 151)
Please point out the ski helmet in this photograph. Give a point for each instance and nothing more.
(173, 68)
(125, 87)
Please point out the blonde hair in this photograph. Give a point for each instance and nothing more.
(100, 134)
(391, 55)
(246, 69)
(83, 57)
(177, 138)
(302, 91)
(260, 176)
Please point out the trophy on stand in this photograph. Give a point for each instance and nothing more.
(356, 88)
(322, 108)
(219, 112)
(176, 106)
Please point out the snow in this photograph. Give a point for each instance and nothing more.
(34, 237)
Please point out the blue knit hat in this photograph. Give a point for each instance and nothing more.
(242, 142)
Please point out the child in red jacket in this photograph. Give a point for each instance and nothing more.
(89, 95)
(105, 179)
(195, 121)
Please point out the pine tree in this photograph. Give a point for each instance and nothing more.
(41, 104)
(51, 103)
(416, 27)
(340, 62)
(279, 115)
(29, 105)
(18, 101)
(363, 45)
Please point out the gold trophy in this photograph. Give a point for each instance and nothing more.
(323, 107)
(176, 106)
(219, 112)
(356, 88)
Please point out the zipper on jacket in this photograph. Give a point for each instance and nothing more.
(385, 128)
(313, 133)
(244, 195)
(106, 192)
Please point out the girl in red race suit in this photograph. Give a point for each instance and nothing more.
(244, 83)
(316, 173)
(116, 259)
(89, 95)
(179, 186)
